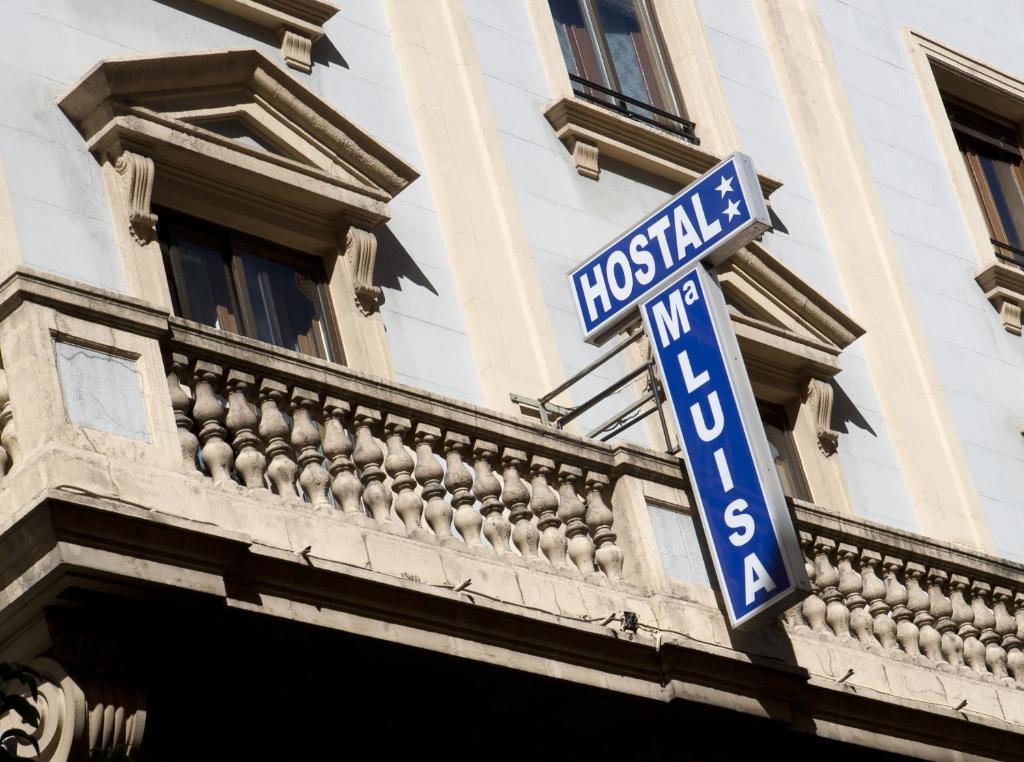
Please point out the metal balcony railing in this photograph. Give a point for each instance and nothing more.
(633, 108)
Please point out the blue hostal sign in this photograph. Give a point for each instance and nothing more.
(751, 537)
(709, 219)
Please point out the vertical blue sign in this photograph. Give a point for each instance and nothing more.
(750, 535)
(710, 219)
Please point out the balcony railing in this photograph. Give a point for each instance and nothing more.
(633, 108)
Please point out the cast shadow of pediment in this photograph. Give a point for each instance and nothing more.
(394, 264)
(324, 52)
(846, 414)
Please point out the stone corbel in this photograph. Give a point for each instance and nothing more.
(1003, 285)
(136, 173)
(88, 718)
(586, 157)
(361, 251)
(819, 397)
(297, 49)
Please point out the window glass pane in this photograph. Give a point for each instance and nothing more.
(631, 56)
(576, 40)
(783, 451)
(201, 278)
(1001, 177)
(284, 305)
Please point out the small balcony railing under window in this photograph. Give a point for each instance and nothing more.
(633, 108)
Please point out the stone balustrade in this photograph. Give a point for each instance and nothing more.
(392, 458)
(903, 596)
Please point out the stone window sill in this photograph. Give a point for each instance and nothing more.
(590, 131)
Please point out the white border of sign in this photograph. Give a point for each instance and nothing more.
(782, 523)
(760, 221)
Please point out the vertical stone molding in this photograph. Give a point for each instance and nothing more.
(428, 473)
(7, 438)
(487, 490)
(361, 251)
(458, 480)
(297, 50)
(274, 430)
(250, 462)
(819, 396)
(399, 465)
(210, 414)
(137, 173)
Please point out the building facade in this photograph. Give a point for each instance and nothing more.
(284, 295)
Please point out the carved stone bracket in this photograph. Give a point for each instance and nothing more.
(297, 50)
(137, 173)
(820, 396)
(587, 159)
(1004, 288)
(361, 250)
(84, 718)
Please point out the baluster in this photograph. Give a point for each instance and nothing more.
(5, 397)
(881, 626)
(368, 457)
(920, 602)
(813, 607)
(600, 520)
(516, 497)
(181, 402)
(313, 477)
(458, 480)
(941, 608)
(274, 430)
(209, 413)
(399, 465)
(963, 626)
(241, 423)
(544, 503)
(1013, 637)
(836, 614)
(571, 513)
(793, 618)
(850, 584)
(428, 473)
(985, 622)
(345, 485)
(897, 598)
(487, 490)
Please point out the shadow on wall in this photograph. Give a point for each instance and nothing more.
(844, 412)
(395, 263)
(324, 52)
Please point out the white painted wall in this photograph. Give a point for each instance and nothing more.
(60, 208)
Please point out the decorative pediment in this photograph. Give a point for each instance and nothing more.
(231, 130)
(781, 321)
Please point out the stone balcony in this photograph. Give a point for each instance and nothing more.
(160, 455)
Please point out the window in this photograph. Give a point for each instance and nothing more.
(780, 442)
(991, 149)
(238, 283)
(614, 58)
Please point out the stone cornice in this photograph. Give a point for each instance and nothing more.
(635, 143)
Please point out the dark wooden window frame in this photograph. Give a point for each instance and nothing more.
(776, 416)
(232, 244)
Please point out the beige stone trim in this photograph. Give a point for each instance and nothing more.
(319, 177)
(298, 23)
(938, 66)
(10, 249)
(492, 262)
(945, 500)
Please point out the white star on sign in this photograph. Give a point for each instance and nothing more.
(724, 187)
(732, 209)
